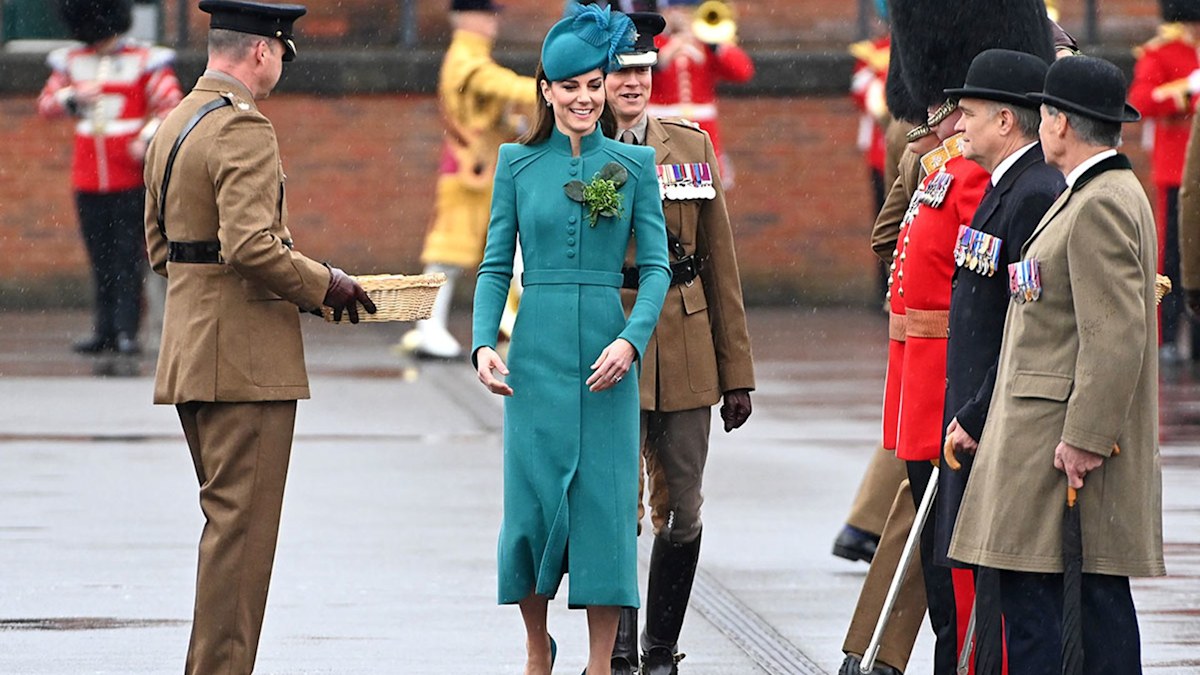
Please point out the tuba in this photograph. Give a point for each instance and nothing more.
(714, 23)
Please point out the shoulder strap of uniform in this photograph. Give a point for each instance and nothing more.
(219, 102)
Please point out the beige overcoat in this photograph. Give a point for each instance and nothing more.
(231, 331)
(703, 323)
(1077, 365)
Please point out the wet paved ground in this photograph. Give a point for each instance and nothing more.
(387, 549)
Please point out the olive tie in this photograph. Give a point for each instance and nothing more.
(627, 136)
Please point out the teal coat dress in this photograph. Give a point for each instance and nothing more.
(570, 455)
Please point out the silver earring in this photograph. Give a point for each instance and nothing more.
(548, 104)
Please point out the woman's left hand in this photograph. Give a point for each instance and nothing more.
(613, 364)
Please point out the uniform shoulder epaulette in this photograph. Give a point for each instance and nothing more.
(681, 122)
(239, 104)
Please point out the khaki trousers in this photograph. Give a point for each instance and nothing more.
(241, 453)
(909, 611)
(874, 499)
(674, 452)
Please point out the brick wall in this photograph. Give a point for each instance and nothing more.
(360, 181)
(783, 23)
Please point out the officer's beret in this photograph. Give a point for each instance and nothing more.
(256, 18)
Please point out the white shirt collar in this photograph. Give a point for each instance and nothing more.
(639, 130)
(1006, 163)
(1087, 164)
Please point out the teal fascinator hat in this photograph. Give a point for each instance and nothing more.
(586, 38)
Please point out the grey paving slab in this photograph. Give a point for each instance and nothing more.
(386, 559)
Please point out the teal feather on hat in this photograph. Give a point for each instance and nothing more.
(588, 35)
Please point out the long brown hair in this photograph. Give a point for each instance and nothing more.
(543, 121)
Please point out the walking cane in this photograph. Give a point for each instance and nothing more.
(964, 657)
(914, 538)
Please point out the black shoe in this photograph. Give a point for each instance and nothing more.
(94, 344)
(852, 663)
(660, 660)
(127, 345)
(624, 655)
(855, 544)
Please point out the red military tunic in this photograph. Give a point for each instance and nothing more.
(1159, 92)
(686, 86)
(919, 300)
(138, 89)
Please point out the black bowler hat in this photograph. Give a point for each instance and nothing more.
(473, 6)
(643, 52)
(1088, 86)
(256, 18)
(1003, 75)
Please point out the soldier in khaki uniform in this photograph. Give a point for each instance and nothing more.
(483, 104)
(699, 353)
(231, 360)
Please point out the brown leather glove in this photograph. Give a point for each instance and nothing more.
(736, 408)
(344, 294)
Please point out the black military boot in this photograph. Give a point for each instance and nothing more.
(672, 569)
(624, 656)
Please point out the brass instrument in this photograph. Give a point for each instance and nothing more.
(714, 23)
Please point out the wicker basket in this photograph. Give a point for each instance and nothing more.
(1162, 286)
(397, 297)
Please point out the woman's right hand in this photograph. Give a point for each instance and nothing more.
(488, 360)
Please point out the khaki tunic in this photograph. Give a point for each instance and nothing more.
(1189, 212)
(231, 332)
(703, 324)
(886, 231)
(1078, 365)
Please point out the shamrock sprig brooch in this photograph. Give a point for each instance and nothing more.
(600, 194)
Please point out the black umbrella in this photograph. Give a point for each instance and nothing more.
(1072, 625)
(989, 633)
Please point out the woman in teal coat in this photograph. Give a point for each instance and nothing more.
(573, 198)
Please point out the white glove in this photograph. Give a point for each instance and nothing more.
(1194, 82)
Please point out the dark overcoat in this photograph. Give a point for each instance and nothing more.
(978, 302)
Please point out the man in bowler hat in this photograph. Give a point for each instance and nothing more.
(1077, 378)
(231, 359)
(698, 355)
(999, 126)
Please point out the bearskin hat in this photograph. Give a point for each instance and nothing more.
(91, 21)
(1180, 10)
(900, 103)
(934, 42)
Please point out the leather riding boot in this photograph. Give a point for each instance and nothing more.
(624, 655)
(672, 569)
